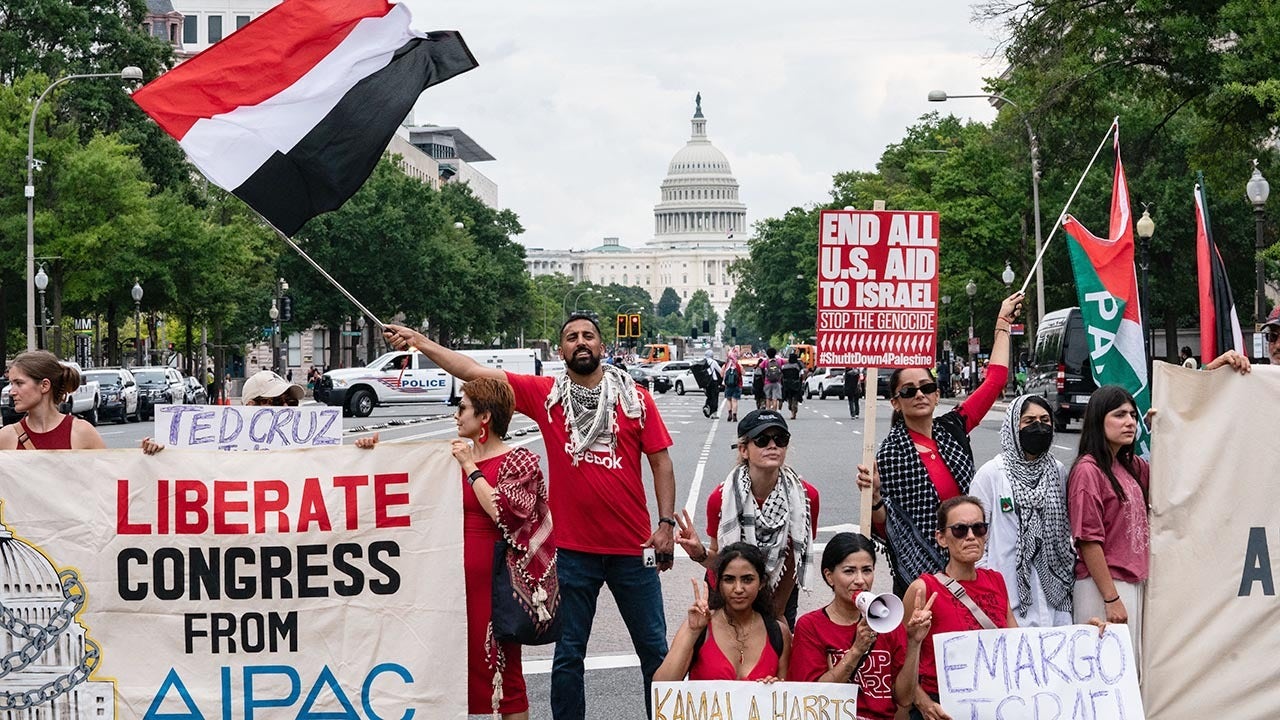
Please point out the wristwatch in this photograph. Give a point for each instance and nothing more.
(474, 476)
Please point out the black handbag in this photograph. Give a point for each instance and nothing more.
(513, 617)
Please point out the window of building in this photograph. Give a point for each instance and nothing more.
(159, 30)
(215, 28)
(686, 294)
(320, 350)
(684, 279)
(191, 29)
(241, 21)
(173, 33)
(295, 349)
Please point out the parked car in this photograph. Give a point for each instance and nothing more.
(655, 382)
(1059, 368)
(158, 386)
(194, 392)
(411, 377)
(825, 382)
(677, 371)
(119, 392)
(82, 402)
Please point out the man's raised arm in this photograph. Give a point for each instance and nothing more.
(453, 362)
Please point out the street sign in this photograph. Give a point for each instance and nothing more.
(84, 324)
(877, 289)
(1017, 329)
(352, 333)
(975, 346)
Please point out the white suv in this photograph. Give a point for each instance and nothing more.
(681, 377)
(824, 382)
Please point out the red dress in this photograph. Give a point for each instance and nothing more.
(479, 534)
(59, 438)
(711, 664)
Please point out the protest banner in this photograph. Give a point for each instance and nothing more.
(236, 427)
(1211, 606)
(1056, 673)
(750, 700)
(239, 427)
(877, 289)
(207, 585)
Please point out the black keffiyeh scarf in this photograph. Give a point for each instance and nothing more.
(913, 500)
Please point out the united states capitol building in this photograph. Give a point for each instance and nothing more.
(699, 230)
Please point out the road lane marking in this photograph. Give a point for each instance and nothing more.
(690, 505)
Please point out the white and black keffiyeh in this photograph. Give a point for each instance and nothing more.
(1044, 532)
(781, 522)
(911, 496)
(590, 414)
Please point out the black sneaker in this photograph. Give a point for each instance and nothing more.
(706, 411)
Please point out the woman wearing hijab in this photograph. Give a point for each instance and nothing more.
(1029, 541)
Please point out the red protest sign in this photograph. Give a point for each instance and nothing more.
(877, 288)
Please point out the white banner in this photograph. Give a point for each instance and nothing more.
(1060, 672)
(238, 427)
(204, 585)
(750, 700)
(1209, 638)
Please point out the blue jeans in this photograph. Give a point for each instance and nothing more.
(638, 593)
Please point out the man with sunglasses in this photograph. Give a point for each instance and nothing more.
(596, 424)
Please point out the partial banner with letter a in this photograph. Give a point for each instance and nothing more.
(207, 585)
(1212, 608)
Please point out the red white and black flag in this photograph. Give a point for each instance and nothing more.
(292, 112)
(1219, 324)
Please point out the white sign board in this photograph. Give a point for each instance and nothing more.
(1060, 672)
(235, 427)
(753, 700)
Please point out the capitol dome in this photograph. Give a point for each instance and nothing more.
(25, 574)
(699, 197)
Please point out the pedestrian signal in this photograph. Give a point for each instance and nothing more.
(286, 308)
(622, 326)
(634, 325)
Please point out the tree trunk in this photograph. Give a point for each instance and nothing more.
(335, 346)
(1171, 337)
(113, 337)
(189, 342)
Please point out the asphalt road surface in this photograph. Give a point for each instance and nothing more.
(825, 449)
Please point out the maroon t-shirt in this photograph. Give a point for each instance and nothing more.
(1098, 515)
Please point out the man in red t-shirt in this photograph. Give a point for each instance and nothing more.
(596, 424)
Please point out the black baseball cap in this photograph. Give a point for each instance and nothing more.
(757, 421)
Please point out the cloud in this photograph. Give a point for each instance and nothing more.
(583, 104)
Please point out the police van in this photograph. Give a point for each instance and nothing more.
(411, 377)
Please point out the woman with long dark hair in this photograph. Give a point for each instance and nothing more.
(730, 633)
(925, 460)
(1029, 542)
(835, 644)
(1107, 504)
(38, 383)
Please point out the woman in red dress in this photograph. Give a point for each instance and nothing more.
(730, 633)
(38, 383)
(504, 496)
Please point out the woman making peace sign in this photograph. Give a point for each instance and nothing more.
(730, 633)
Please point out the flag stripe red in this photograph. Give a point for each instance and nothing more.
(254, 63)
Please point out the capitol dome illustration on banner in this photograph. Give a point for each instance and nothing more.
(46, 656)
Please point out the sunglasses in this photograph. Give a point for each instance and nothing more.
(1273, 335)
(779, 439)
(277, 401)
(928, 388)
(960, 531)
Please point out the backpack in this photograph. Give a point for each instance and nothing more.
(772, 371)
(731, 376)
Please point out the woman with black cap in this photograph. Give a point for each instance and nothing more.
(764, 502)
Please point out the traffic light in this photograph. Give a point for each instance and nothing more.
(286, 308)
(693, 332)
(706, 326)
(622, 326)
(634, 325)
(733, 331)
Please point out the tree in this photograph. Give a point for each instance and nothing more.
(669, 302)
(698, 312)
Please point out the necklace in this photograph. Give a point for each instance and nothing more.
(738, 637)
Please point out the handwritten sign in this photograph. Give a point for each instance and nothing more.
(1064, 672)
(877, 289)
(234, 427)
(749, 700)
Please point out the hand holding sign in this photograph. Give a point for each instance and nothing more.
(699, 611)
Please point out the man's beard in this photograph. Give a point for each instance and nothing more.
(583, 365)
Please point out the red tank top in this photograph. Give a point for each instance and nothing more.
(59, 438)
(711, 663)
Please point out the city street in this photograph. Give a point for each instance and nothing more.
(825, 450)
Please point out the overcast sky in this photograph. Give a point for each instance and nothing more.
(584, 103)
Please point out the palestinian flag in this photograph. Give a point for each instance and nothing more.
(1219, 324)
(292, 112)
(1107, 285)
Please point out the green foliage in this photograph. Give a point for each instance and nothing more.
(669, 302)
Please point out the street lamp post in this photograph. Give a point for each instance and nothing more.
(971, 289)
(136, 292)
(1258, 189)
(942, 96)
(42, 282)
(129, 73)
(1146, 227)
(280, 288)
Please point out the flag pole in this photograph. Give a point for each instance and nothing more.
(289, 241)
(1115, 123)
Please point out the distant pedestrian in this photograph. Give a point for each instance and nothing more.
(772, 370)
(732, 385)
(757, 385)
(852, 388)
(715, 376)
(793, 383)
(1188, 360)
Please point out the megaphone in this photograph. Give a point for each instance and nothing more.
(883, 612)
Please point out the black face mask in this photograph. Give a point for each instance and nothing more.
(1035, 438)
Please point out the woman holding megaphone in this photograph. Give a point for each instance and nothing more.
(842, 643)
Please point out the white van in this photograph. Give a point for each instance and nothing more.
(411, 377)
